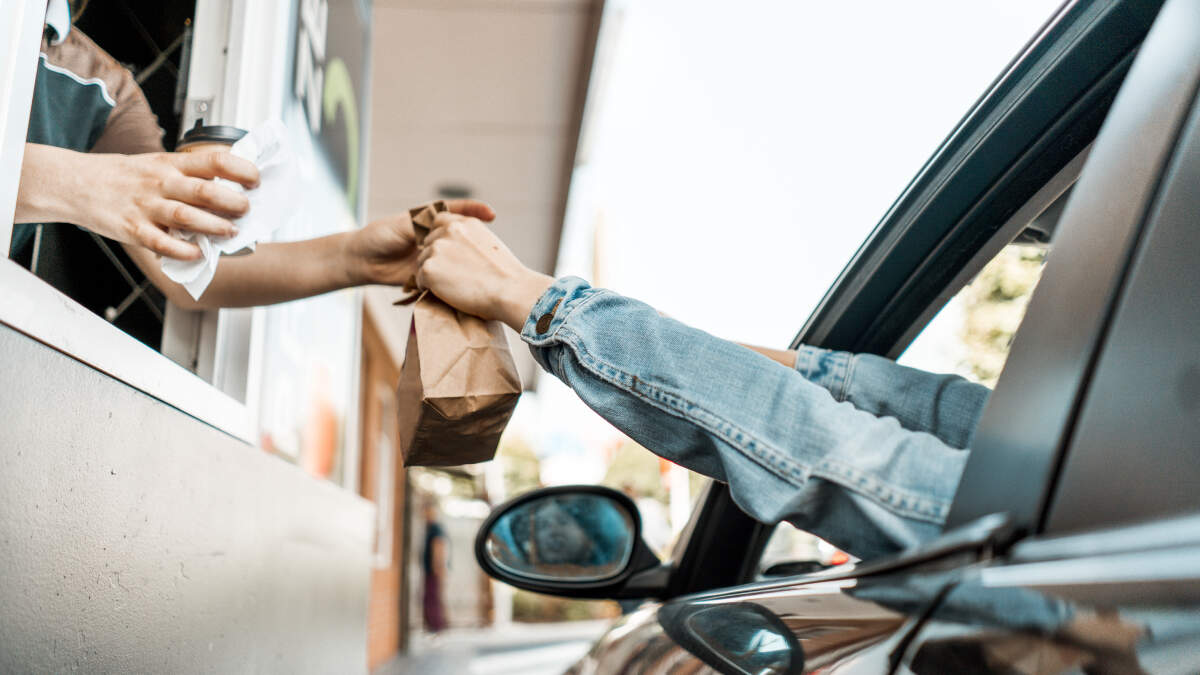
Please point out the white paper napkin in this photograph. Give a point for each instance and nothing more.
(267, 146)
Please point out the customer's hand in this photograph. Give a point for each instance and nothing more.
(385, 251)
(467, 266)
(135, 199)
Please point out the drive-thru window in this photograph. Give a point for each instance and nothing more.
(263, 375)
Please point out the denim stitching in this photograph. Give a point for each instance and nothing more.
(670, 402)
(907, 502)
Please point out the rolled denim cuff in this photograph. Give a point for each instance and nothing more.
(825, 368)
(564, 296)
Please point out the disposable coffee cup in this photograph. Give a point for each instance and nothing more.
(213, 138)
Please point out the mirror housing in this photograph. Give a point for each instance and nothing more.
(618, 583)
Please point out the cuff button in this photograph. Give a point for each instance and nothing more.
(543, 323)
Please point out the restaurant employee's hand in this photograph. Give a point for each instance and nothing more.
(466, 265)
(385, 251)
(134, 199)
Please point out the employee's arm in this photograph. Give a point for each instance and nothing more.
(383, 252)
(134, 199)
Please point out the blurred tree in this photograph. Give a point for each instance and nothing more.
(995, 302)
(534, 608)
(522, 468)
(637, 468)
(696, 483)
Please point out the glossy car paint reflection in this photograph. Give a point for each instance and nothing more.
(979, 619)
(1118, 613)
(1122, 613)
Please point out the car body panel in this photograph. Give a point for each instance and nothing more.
(1095, 603)
(831, 626)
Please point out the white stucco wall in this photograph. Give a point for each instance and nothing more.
(134, 538)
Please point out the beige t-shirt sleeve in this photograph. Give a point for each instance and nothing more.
(131, 127)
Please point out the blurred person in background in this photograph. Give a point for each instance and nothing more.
(855, 449)
(434, 569)
(94, 158)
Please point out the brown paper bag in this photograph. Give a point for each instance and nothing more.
(458, 384)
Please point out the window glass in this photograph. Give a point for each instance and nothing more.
(972, 334)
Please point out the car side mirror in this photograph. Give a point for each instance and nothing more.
(580, 541)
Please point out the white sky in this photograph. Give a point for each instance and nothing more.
(739, 152)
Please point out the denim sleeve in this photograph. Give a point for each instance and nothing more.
(785, 446)
(946, 406)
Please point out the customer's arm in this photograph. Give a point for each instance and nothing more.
(784, 357)
(946, 406)
(382, 252)
(786, 448)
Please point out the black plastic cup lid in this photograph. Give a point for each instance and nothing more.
(211, 134)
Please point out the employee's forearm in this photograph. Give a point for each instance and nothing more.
(275, 272)
(279, 272)
(48, 192)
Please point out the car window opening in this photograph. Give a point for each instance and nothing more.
(970, 336)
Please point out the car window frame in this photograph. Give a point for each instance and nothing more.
(1061, 87)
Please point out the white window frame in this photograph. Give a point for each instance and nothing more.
(232, 57)
(20, 35)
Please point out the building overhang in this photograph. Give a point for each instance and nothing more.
(481, 97)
